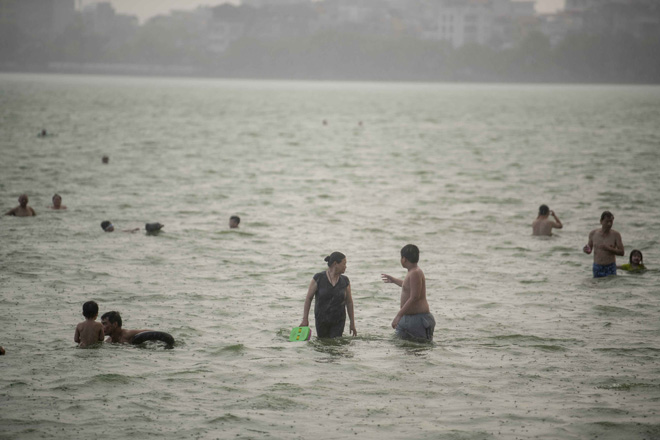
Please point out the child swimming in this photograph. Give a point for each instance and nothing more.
(636, 262)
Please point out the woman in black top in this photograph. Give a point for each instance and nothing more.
(333, 299)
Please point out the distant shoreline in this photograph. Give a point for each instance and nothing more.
(176, 71)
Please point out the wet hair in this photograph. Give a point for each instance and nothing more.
(636, 251)
(335, 257)
(410, 252)
(105, 224)
(606, 214)
(236, 218)
(113, 317)
(90, 309)
(544, 210)
(56, 195)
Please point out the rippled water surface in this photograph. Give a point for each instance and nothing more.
(527, 345)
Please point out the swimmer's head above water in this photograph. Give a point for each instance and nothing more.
(234, 221)
(107, 226)
(153, 227)
(636, 258)
(90, 309)
(112, 317)
(544, 210)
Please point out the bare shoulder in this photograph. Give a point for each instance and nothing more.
(417, 273)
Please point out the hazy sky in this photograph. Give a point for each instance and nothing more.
(148, 8)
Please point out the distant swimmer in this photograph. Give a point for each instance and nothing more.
(2, 351)
(107, 226)
(43, 133)
(332, 290)
(112, 328)
(105, 159)
(57, 202)
(234, 220)
(606, 244)
(635, 262)
(89, 332)
(414, 319)
(543, 225)
(22, 210)
(153, 228)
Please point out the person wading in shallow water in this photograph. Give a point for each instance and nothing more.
(414, 319)
(57, 202)
(332, 290)
(606, 244)
(543, 225)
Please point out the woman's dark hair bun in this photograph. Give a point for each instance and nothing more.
(335, 257)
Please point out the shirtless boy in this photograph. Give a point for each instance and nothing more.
(89, 332)
(22, 210)
(606, 244)
(414, 320)
(543, 225)
(112, 327)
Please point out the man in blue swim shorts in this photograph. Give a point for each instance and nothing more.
(414, 320)
(606, 244)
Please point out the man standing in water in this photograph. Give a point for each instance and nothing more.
(22, 210)
(543, 225)
(414, 320)
(606, 244)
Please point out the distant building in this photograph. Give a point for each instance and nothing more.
(101, 19)
(228, 23)
(40, 19)
(8, 13)
(484, 22)
(640, 18)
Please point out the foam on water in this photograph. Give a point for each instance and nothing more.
(527, 343)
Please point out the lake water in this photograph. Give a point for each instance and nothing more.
(527, 343)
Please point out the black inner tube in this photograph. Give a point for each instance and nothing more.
(153, 336)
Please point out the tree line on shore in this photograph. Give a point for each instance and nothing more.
(580, 58)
